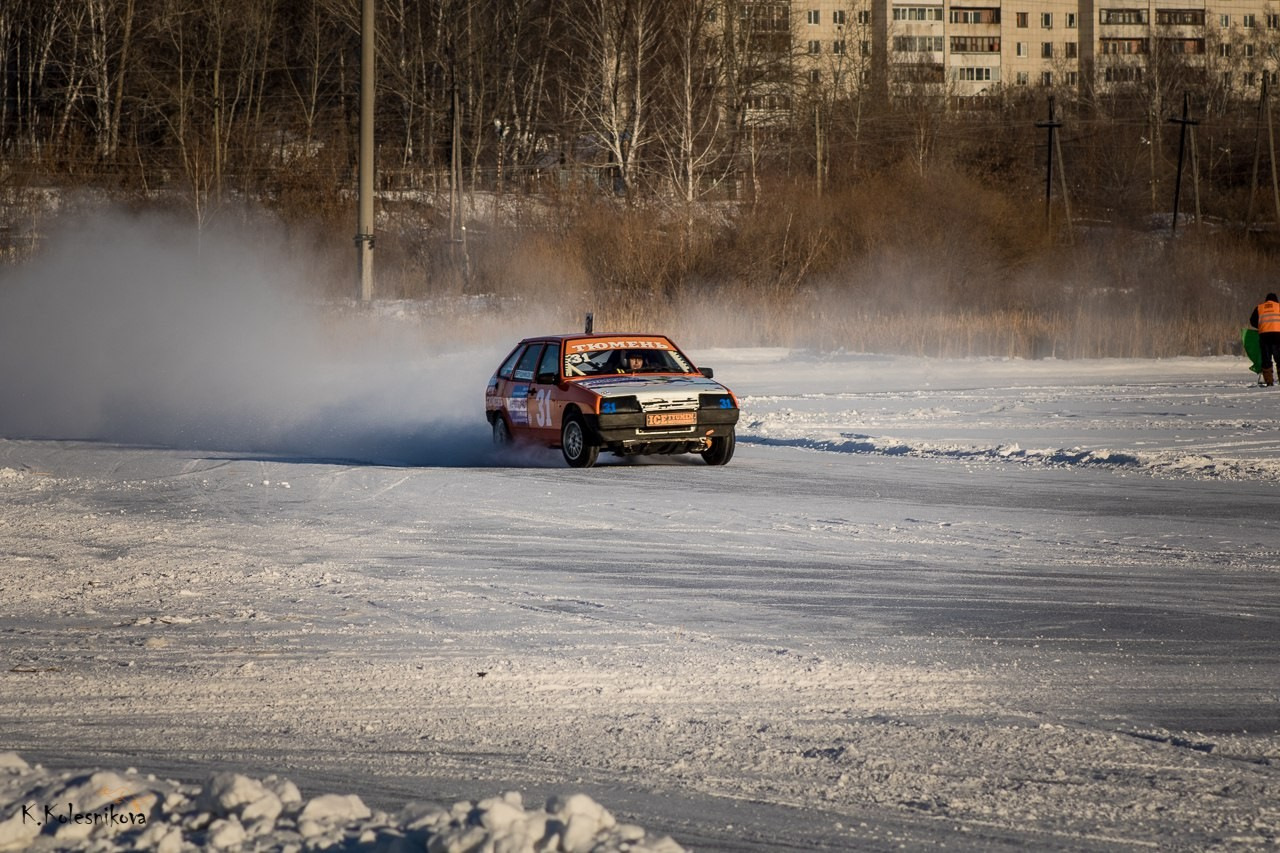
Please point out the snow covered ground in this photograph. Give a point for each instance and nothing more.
(985, 604)
(264, 582)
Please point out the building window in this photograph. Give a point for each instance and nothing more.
(1022, 78)
(1226, 79)
(1123, 74)
(1072, 50)
(767, 17)
(975, 44)
(1248, 21)
(1224, 21)
(1273, 22)
(1021, 18)
(837, 17)
(980, 75)
(975, 16)
(815, 76)
(1046, 78)
(1180, 17)
(1248, 50)
(1224, 50)
(917, 44)
(1122, 47)
(1071, 20)
(1073, 78)
(813, 16)
(1021, 49)
(815, 46)
(1251, 79)
(837, 47)
(865, 48)
(864, 17)
(1046, 50)
(917, 13)
(769, 102)
(1123, 16)
(1179, 47)
(1046, 20)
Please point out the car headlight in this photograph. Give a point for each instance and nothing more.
(716, 401)
(619, 405)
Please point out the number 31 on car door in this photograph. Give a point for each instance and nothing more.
(542, 412)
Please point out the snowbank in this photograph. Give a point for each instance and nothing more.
(105, 811)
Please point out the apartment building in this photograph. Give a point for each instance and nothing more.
(976, 47)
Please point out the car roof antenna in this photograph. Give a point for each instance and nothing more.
(591, 322)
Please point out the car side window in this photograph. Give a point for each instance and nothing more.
(550, 361)
(504, 371)
(528, 359)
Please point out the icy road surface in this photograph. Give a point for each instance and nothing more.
(984, 604)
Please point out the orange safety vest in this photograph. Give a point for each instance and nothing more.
(1269, 317)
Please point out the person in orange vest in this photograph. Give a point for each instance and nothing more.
(1266, 319)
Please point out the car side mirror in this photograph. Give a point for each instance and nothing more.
(707, 372)
(547, 378)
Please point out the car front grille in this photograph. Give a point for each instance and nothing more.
(669, 404)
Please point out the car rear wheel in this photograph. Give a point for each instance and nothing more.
(501, 432)
(576, 445)
(721, 449)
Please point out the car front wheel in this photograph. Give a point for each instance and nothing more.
(721, 449)
(576, 445)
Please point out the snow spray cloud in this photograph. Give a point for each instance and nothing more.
(130, 330)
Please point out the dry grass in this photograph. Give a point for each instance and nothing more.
(935, 264)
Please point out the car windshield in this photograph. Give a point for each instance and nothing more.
(640, 355)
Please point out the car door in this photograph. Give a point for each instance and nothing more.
(520, 388)
(545, 403)
(495, 395)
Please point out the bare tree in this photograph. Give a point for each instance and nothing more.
(613, 44)
(72, 68)
(110, 38)
(207, 79)
(312, 47)
(756, 76)
(689, 132)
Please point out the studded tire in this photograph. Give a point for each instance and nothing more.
(721, 449)
(576, 444)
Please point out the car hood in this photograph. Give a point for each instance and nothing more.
(653, 388)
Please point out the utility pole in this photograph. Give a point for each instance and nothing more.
(1062, 179)
(364, 236)
(1052, 126)
(1186, 121)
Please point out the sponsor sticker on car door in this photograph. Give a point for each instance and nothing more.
(543, 407)
(517, 398)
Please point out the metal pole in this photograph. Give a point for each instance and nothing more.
(1186, 121)
(1048, 176)
(364, 236)
(1195, 175)
(1062, 179)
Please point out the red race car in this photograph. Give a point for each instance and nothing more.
(624, 394)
